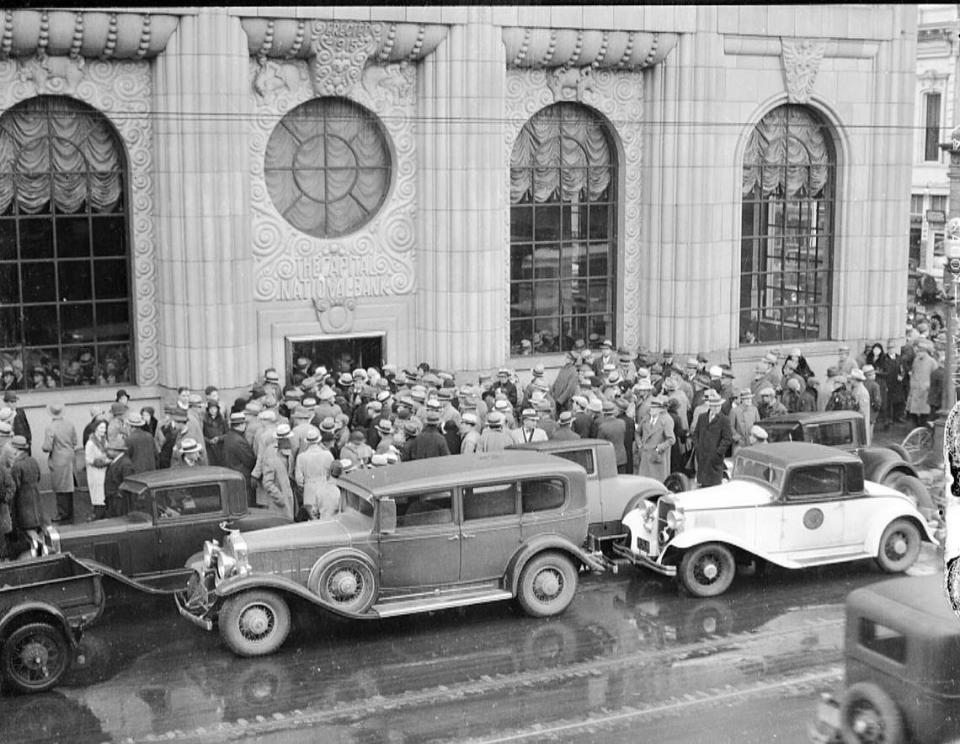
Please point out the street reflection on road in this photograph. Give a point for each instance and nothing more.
(627, 640)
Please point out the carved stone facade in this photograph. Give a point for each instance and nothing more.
(618, 95)
(801, 62)
(378, 259)
(121, 90)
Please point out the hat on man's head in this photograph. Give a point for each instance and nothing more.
(237, 418)
(189, 446)
(308, 382)
(794, 384)
(345, 379)
(529, 413)
(374, 406)
(759, 433)
(565, 418)
(502, 405)
(328, 425)
(445, 393)
(857, 374)
(494, 419)
(666, 353)
(595, 406)
(271, 375)
(770, 358)
(432, 417)
(20, 442)
(657, 401)
(269, 401)
(312, 434)
(702, 358)
(283, 431)
(469, 418)
(384, 427)
(691, 362)
(56, 409)
(267, 414)
(411, 428)
(608, 407)
(538, 371)
(293, 394)
(644, 384)
(326, 393)
(766, 391)
(712, 396)
(135, 419)
(746, 393)
(194, 400)
(669, 384)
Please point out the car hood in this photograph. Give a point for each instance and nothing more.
(731, 494)
(301, 535)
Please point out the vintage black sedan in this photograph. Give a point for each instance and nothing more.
(169, 515)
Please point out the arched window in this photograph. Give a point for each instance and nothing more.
(563, 216)
(64, 258)
(789, 201)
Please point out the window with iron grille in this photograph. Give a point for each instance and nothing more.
(787, 243)
(65, 301)
(563, 176)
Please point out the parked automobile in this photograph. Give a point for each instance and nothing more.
(44, 605)
(902, 652)
(414, 537)
(791, 503)
(845, 430)
(169, 513)
(610, 495)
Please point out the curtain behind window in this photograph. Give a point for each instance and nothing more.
(788, 136)
(53, 148)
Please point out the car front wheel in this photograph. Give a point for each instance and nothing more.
(899, 546)
(547, 585)
(254, 623)
(707, 570)
(35, 657)
(868, 714)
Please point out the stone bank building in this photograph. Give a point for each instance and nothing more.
(190, 195)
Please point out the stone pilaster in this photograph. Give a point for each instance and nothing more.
(203, 107)
(462, 310)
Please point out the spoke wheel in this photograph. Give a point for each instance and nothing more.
(918, 445)
(547, 584)
(707, 570)
(868, 715)
(254, 623)
(35, 657)
(899, 546)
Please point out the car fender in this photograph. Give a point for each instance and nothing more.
(879, 462)
(36, 611)
(651, 493)
(272, 582)
(539, 544)
(880, 520)
(699, 535)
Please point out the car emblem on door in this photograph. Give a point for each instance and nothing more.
(812, 519)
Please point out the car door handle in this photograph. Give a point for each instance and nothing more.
(453, 537)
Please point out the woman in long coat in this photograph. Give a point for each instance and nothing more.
(25, 472)
(656, 441)
(918, 405)
(95, 454)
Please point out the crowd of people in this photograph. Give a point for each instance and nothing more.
(292, 441)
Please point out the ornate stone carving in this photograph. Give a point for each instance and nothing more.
(273, 76)
(122, 92)
(341, 50)
(375, 261)
(801, 62)
(570, 84)
(62, 73)
(618, 95)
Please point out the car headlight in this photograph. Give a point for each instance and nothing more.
(211, 548)
(225, 566)
(675, 519)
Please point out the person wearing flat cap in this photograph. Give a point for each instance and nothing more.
(430, 442)
(119, 468)
(237, 453)
(711, 441)
(60, 443)
(657, 437)
(27, 511)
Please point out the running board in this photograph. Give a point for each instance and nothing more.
(429, 604)
(827, 558)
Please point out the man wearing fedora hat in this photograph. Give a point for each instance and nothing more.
(712, 438)
(745, 416)
(528, 430)
(141, 447)
(274, 488)
(119, 468)
(656, 439)
(469, 436)
(60, 443)
(28, 513)
(428, 443)
(237, 453)
(564, 431)
(20, 424)
(312, 475)
(494, 437)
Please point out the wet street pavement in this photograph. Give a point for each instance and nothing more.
(632, 659)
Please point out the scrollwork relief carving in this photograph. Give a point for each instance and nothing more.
(121, 90)
(618, 95)
(338, 274)
(341, 50)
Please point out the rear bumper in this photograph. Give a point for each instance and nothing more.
(640, 559)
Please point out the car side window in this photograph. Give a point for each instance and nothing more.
(542, 494)
(813, 482)
(417, 510)
(484, 502)
(582, 457)
(189, 501)
(836, 434)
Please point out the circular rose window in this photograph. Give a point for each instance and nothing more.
(327, 167)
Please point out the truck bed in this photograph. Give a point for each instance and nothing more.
(60, 580)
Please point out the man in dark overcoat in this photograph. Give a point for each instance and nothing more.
(428, 443)
(28, 514)
(238, 454)
(711, 441)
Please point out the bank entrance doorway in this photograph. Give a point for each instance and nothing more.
(340, 354)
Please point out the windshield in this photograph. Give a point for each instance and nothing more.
(355, 502)
(788, 431)
(744, 467)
